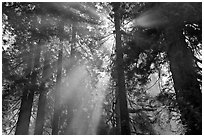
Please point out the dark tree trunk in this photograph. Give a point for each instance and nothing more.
(24, 114)
(22, 127)
(55, 123)
(117, 110)
(188, 92)
(122, 97)
(42, 98)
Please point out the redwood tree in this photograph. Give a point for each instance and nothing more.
(186, 85)
(22, 127)
(122, 97)
(56, 116)
(42, 98)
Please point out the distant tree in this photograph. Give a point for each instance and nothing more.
(46, 45)
(40, 119)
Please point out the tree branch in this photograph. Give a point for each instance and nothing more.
(152, 85)
(141, 109)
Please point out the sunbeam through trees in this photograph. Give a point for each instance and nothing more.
(101, 68)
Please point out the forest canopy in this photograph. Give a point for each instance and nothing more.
(101, 68)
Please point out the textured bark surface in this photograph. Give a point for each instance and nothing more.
(122, 97)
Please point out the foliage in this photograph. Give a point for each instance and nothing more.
(89, 98)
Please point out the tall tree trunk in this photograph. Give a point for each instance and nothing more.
(42, 98)
(188, 92)
(73, 45)
(72, 57)
(122, 97)
(56, 117)
(117, 109)
(22, 127)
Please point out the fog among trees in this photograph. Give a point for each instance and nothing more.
(101, 68)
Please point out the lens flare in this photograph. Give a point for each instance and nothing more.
(150, 19)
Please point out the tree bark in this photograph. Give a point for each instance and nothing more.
(42, 99)
(122, 97)
(55, 123)
(22, 127)
(188, 92)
